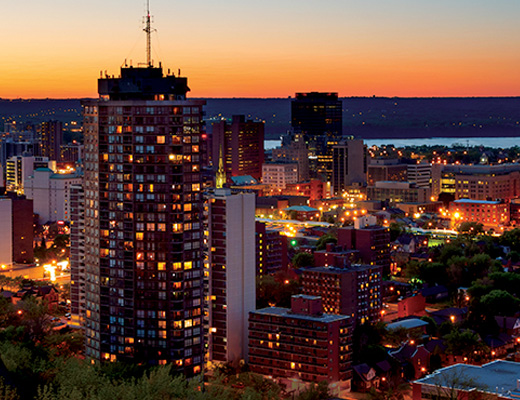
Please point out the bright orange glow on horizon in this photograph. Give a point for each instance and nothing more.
(273, 49)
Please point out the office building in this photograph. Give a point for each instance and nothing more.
(315, 114)
(353, 291)
(386, 170)
(71, 152)
(50, 194)
(302, 344)
(420, 174)
(398, 192)
(241, 143)
(279, 175)
(19, 168)
(231, 243)
(349, 165)
(478, 182)
(51, 138)
(143, 221)
(295, 150)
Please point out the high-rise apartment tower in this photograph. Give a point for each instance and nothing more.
(143, 220)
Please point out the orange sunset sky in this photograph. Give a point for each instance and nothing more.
(232, 48)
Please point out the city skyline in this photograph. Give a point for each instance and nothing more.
(234, 49)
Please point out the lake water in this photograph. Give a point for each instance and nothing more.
(495, 142)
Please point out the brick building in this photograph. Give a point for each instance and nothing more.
(353, 291)
(491, 214)
(372, 242)
(301, 343)
(271, 250)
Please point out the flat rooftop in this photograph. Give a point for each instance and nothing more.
(470, 201)
(497, 377)
(287, 313)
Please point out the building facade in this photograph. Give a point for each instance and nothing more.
(143, 221)
(241, 143)
(271, 250)
(314, 114)
(50, 194)
(372, 242)
(231, 243)
(350, 163)
(398, 192)
(51, 138)
(353, 291)
(19, 168)
(420, 174)
(77, 254)
(478, 182)
(279, 175)
(491, 214)
(301, 343)
(295, 150)
(385, 170)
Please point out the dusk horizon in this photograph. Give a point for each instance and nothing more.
(240, 50)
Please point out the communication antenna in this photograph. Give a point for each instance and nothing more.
(148, 29)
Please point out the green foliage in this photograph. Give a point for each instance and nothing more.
(511, 238)
(35, 317)
(318, 391)
(463, 343)
(303, 260)
(7, 392)
(393, 389)
(471, 229)
(500, 302)
(396, 230)
(432, 327)
(365, 336)
(271, 290)
(322, 241)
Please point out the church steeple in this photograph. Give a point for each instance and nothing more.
(221, 172)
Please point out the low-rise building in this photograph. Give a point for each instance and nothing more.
(301, 344)
(398, 192)
(491, 214)
(497, 380)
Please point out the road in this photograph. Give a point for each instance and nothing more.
(33, 272)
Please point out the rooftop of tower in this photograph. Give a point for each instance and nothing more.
(143, 83)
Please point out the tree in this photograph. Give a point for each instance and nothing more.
(394, 388)
(463, 343)
(432, 327)
(472, 229)
(35, 317)
(322, 241)
(7, 392)
(318, 391)
(448, 384)
(303, 260)
(500, 302)
(396, 230)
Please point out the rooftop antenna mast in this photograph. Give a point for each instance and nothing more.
(148, 29)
